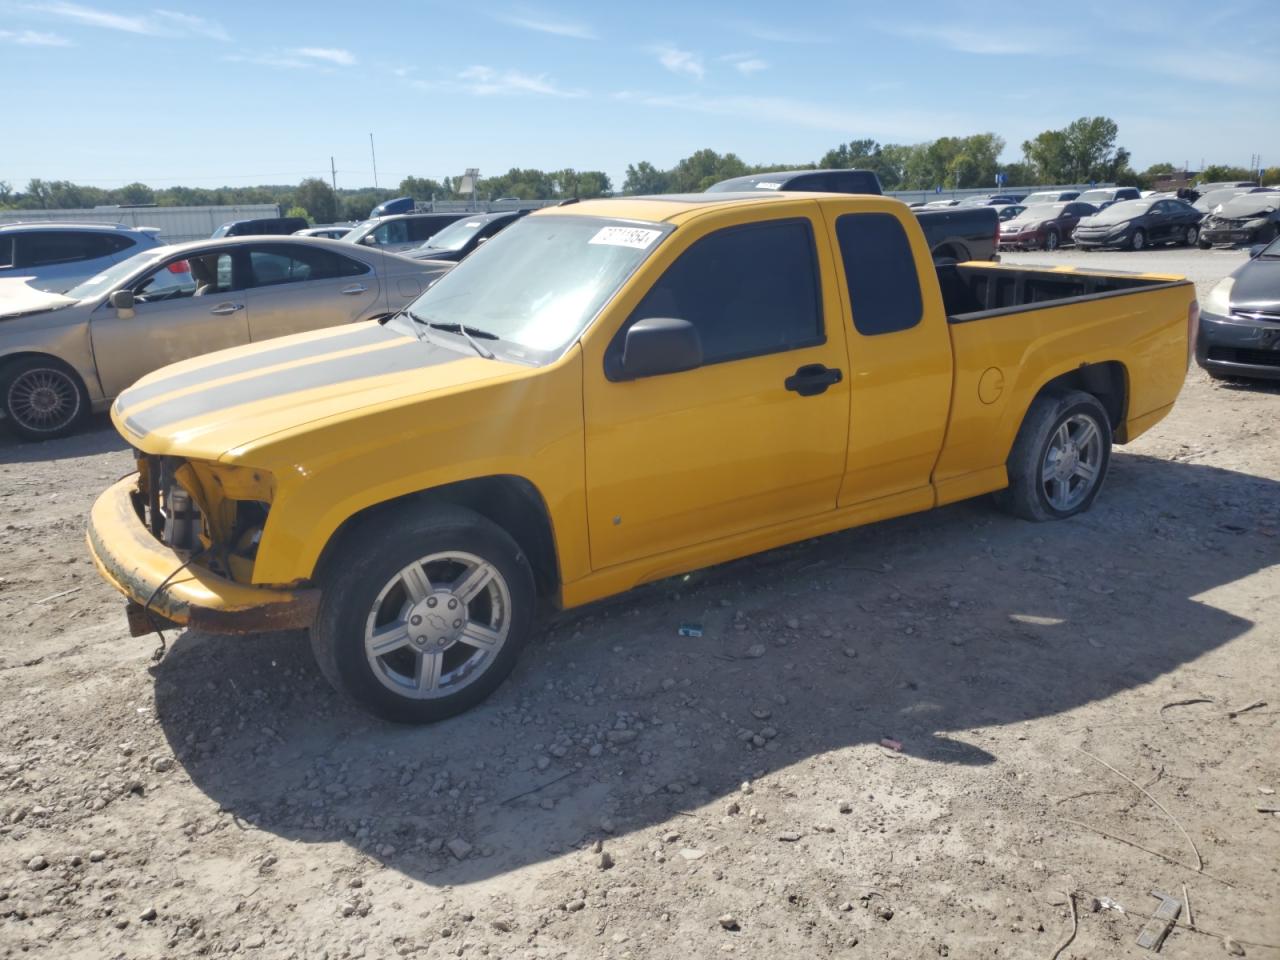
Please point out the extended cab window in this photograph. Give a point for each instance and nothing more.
(884, 288)
(749, 290)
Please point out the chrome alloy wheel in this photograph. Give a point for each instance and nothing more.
(43, 400)
(437, 625)
(1073, 463)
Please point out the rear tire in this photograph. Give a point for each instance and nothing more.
(1059, 459)
(1138, 241)
(1192, 236)
(423, 613)
(42, 398)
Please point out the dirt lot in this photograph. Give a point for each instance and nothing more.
(226, 802)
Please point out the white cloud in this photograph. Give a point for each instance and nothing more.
(34, 38)
(745, 63)
(91, 17)
(190, 25)
(281, 61)
(774, 34)
(485, 81)
(679, 61)
(540, 24)
(334, 55)
(156, 23)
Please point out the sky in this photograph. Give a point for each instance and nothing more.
(237, 93)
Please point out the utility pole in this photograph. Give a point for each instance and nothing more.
(333, 174)
(375, 162)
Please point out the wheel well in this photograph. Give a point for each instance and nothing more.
(513, 503)
(1107, 381)
(950, 251)
(9, 359)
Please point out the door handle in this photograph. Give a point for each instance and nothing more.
(223, 309)
(354, 289)
(812, 379)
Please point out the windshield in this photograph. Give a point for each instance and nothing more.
(1045, 196)
(1096, 196)
(1125, 210)
(455, 236)
(536, 285)
(111, 279)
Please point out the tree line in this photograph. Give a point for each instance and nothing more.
(1084, 150)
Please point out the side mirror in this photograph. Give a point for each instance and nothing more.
(658, 345)
(370, 240)
(1256, 250)
(122, 301)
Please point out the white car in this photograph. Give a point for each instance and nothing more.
(55, 256)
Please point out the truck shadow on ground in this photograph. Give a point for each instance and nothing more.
(920, 629)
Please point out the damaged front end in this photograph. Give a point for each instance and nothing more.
(180, 540)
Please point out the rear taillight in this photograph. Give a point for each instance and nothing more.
(1193, 329)
(180, 266)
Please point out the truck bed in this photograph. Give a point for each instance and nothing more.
(973, 291)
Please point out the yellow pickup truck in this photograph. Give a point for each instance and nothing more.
(605, 394)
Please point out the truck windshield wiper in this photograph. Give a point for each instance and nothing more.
(469, 332)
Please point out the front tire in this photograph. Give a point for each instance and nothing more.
(1060, 457)
(1051, 241)
(1192, 236)
(42, 398)
(1139, 240)
(423, 613)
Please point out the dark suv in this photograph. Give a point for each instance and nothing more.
(267, 226)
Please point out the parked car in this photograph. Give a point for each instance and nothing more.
(1048, 196)
(607, 394)
(1240, 322)
(1045, 226)
(63, 355)
(1137, 224)
(262, 227)
(968, 234)
(1009, 211)
(55, 256)
(1204, 188)
(990, 200)
(1103, 197)
(1211, 200)
(462, 236)
(390, 207)
(1246, 218)
(330, 232)
(400, 232)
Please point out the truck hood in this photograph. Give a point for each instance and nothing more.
(17, 299)
(211, 406)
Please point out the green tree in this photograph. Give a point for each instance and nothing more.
(644, 178)
(423, 188)
(1083, 150)
(134, 194)
(297, 211)
(317, 197)
(1216, 172)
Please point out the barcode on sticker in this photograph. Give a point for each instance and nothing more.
(637, 237)
(769, 185)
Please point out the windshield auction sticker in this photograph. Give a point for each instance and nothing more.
(637, 237)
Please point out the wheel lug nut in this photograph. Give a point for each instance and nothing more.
(452, 604)
(457, 623)
(431, 601)
(415, 620)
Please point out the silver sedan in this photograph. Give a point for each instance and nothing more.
(62, 355)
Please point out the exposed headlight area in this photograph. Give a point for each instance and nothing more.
(1219, 300)
(210, 512)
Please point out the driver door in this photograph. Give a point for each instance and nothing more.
(178, 313)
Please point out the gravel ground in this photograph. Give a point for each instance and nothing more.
(891, 742)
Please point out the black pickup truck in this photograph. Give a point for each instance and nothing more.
(953, 233)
